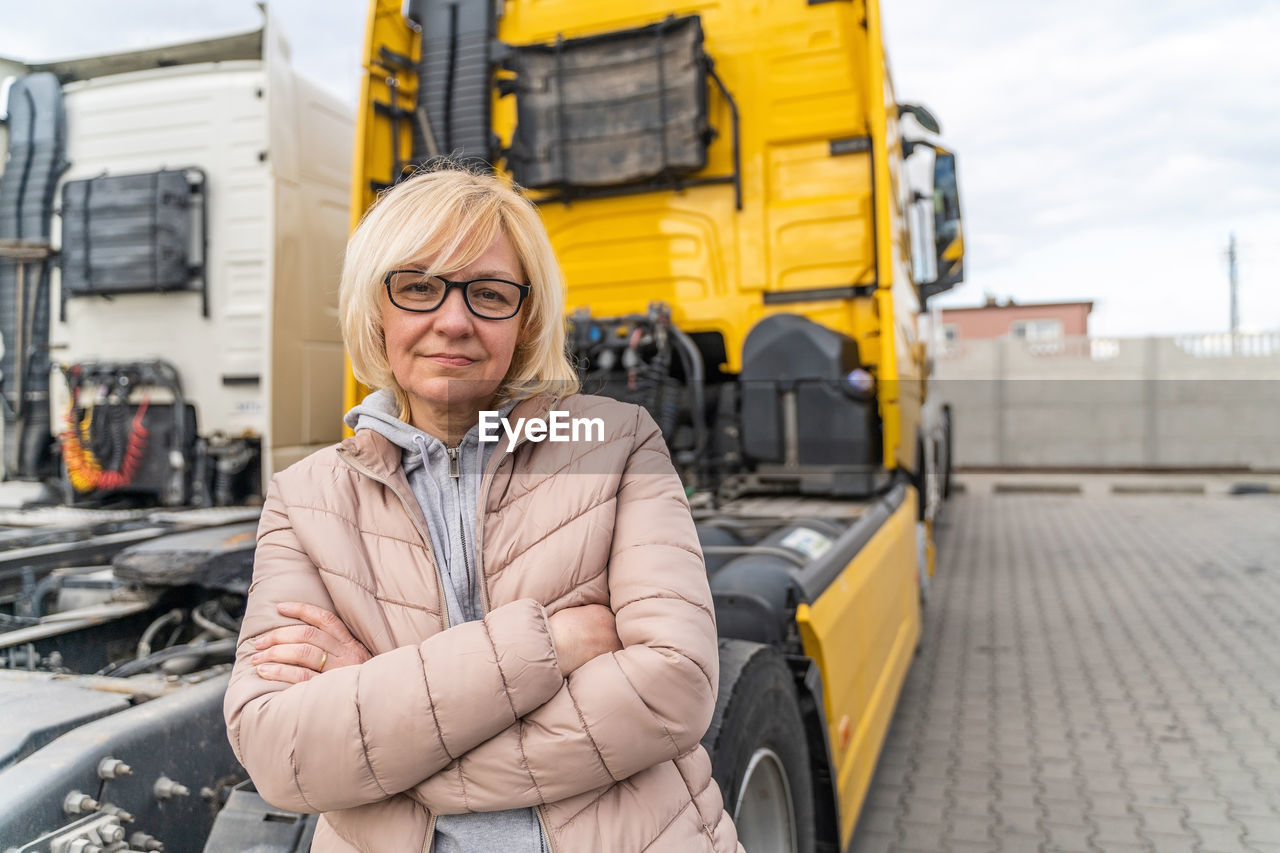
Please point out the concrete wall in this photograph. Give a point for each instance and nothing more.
(1201, 401)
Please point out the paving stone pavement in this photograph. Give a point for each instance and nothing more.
(1098, 673)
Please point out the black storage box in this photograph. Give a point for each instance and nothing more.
(795, 391)
(133, 233)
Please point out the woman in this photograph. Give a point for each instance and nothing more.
(451, 646)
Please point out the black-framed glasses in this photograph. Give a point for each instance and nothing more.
(487, 298)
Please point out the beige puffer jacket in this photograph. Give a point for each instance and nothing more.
(479, 717)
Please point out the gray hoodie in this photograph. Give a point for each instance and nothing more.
(446, 482)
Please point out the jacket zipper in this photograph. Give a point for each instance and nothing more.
(546, 832)
(483, 498)
(431, 834)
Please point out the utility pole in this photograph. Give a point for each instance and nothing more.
(1235, 300)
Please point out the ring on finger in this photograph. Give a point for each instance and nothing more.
(323, 659)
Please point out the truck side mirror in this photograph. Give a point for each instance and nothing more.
(922, 115)
(948, 233)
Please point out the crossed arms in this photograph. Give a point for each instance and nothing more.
(481, 716)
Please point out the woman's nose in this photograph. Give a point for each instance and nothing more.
(453, 316)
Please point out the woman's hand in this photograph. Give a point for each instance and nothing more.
(582, 633)
(297, 653)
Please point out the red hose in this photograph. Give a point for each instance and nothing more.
(83, 467)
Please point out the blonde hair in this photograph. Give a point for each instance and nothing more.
(450, 215)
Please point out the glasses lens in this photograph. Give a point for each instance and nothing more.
(416, 291)
(493, 299)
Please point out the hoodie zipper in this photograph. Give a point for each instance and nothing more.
(455, 473)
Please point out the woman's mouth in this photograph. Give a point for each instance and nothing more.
(450, 359)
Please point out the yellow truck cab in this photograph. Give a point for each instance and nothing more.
(725, 187)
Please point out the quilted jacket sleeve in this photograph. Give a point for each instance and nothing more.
(624, 712)
(360, 734)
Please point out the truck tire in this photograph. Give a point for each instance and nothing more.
(948, 447)
(758, 751)
(921, 478)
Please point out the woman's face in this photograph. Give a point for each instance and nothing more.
(449, 360)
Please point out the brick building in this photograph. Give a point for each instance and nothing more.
(1036, 321)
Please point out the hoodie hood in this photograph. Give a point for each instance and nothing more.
(379, 412)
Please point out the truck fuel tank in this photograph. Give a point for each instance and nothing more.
(754, 586)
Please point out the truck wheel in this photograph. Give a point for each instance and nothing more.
(758, 751)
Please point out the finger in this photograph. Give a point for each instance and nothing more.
(297, 634)
(323, 619)
(287, 674)
(296, 654)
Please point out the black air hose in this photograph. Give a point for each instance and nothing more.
(667, 411)
(691, 358)
(203, 649)
(117, 430)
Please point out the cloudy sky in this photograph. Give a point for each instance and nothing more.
(1107, 147)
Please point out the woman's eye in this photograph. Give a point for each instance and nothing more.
(420, 287)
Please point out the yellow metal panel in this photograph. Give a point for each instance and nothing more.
(876, 88)
(862, 632)
(372, 163)
(387, 28)
(798, 74)
(819, 218)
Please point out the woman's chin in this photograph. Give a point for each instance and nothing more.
(454, 392)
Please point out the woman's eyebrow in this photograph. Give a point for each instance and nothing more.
(478, 274)
(494, 274)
